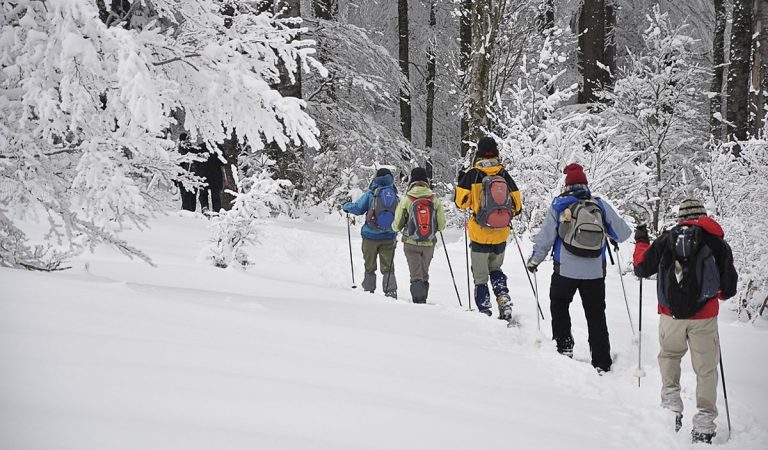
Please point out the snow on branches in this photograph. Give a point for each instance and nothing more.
(541, 133)
(89, 96)
(237, 228)
(659, 99)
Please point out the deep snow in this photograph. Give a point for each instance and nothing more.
(115, 354)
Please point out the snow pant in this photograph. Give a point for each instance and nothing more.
(487, 260)
(188, 198)
(215, 181)
(385, 252)
(675, 337)
(592, 293)
(419, 258)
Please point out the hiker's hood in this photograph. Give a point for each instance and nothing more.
(382, 181)
(419, 191)
(490, 166)
(708, 224)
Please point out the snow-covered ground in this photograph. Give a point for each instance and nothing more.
(115, 354)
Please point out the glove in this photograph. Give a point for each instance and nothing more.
(345, 207)
(531, 266)
(614, 244)
(641, 234)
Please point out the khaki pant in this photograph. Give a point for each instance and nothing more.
(676, 337)
(385, 252)
(419, 258)
(485, 263)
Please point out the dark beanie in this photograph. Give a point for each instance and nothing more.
(574, 174)
(382, 172)
(419, 174)
(690, 208)
(487, 148)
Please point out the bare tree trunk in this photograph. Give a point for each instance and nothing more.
(739, 72)
(288, 161)
(480, 68)
(718, 61)
(405, 93)
(760, 65)
(231, 150)
(593, 49)
(465, 48)
(430, 81)
(609, 55)
(326, 10)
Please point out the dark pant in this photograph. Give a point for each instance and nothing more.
(188, 198)
(592, 293)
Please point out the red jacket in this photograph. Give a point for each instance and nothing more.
(646, 260)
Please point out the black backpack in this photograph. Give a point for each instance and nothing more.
(688, 273)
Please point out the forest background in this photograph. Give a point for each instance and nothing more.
(304, 100)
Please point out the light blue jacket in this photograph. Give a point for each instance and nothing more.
(566, 263)
(364, 203)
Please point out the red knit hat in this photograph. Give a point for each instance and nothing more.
(574, 174)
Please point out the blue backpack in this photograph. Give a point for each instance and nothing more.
(381, 214)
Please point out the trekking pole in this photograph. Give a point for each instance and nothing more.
(450, 268)
(640, 373)
(725, 392)
(466, 256)
(623, 289)
(525, 269)
(538, 318)
(351, 262)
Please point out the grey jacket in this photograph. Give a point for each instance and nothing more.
(566, 263)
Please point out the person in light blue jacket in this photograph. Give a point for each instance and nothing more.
(378, 204)
(585, 273)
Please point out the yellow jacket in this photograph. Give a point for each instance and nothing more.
(469, 196)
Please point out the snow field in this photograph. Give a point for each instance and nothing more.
(116, 354)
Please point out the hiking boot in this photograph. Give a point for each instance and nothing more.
(565, 346)
(505, 306)
(391, 294)
(706, 438)
(678, 422)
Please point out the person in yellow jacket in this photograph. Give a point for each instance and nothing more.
(419, 234)
(492, 196)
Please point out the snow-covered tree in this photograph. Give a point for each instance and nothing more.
(736, 189)
(542, 132)
(90, 95)
(658, 98)
(237, 228)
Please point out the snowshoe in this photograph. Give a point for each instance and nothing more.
(705, 438)
(565, 346)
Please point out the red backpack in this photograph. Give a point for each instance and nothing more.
(422, 223)
(496, 203)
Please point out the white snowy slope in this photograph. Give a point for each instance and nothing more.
(115, 354)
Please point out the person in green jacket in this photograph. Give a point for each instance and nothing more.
(419, 233)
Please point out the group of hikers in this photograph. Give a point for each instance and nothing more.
(692, 262)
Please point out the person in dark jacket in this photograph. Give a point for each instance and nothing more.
(378, 241)
(698, 332)
(573, 272)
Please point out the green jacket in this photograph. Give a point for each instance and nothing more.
(404, 208)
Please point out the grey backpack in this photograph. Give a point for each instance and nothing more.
(582, 228)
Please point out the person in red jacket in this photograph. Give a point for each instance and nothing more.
(695, 270)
